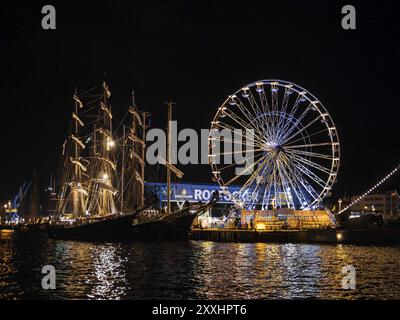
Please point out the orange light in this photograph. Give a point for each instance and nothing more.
(260, 226)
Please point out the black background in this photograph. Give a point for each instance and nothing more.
(198, 52)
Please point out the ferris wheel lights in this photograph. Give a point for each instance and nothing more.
(274, 89)
(260, 89)
(245, 93)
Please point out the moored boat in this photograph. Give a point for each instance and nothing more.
(88, 202)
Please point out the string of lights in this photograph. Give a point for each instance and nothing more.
(371, 189)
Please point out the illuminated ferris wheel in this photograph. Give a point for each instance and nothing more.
(290, 159)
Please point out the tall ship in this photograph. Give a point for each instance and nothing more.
(99, 190)
(89, 201)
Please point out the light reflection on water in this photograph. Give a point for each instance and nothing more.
(193, 270)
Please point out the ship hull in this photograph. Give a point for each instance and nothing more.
(179, 228)
(115, 228)
(6, 227)
(147, 231)
(175, 228)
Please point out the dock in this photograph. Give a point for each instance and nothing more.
(327, 236)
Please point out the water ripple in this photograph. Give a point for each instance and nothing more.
(194, 270)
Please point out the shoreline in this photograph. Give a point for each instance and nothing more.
(325, 236)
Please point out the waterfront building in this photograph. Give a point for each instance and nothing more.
(387, 204)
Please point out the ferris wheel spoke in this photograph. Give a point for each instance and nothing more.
(275, 184)
(267, 176)
(297, 123)
(310, 145)
(275, 106)
(257, 141)
(254, 105)
(254, 175)
(309, 173)
(245, 126)
(254, 197)
(301, 130)
(245, 170)
(223, 139)
(298, 190)
(282, 119)
(311, 154)
(244, 159)
(310, 190)
(293, 111)
(263, 98)
(285, 184)
(285, 99)
(257, 188)
(253, 119)
(312, 164)
(266, 196)
(274, 95)
(282, 128)
(235, 152)
(308, 136)
(306, 186)
(267, 173)
(295, 187)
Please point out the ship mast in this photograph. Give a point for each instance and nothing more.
(137, 135)
(78, 205)
(168, 164)
(103, 173)
(144, 115)
(122, 191)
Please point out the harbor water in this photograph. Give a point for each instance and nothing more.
(193, 270)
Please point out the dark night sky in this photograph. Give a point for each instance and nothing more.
(198, 53)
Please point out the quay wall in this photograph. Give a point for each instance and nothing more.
(333, 236)
(221, 235)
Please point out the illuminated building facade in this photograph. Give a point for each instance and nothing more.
(387, 204)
